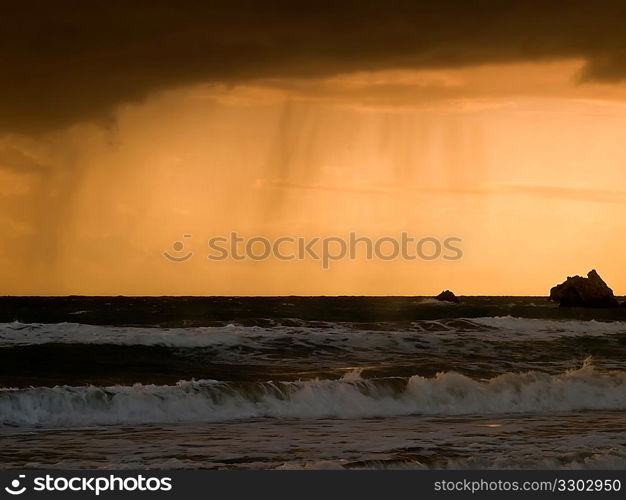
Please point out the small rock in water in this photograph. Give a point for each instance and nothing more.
(448, 296)
(591, 291)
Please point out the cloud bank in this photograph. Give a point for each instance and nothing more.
(68, 61)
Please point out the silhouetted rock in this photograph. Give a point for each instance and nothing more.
(447, 296)
(591, 291)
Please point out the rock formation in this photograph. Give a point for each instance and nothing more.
(447, 296)
(591, 291)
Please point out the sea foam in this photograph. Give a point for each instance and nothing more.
(448, 393)
(343, 335)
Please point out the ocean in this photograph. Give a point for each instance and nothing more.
(310, 383)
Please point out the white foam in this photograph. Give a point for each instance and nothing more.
(338, 335)
(76, 333)
(205, 400)
(546, 329)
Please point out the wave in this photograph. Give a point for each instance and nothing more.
(76, 333)
(546, 329)
(399, 337)
(350, 397)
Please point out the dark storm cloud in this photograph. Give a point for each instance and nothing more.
(67, 61)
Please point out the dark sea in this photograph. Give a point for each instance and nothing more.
(310, 383)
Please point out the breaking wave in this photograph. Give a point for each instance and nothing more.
(350, 397)
(344, 335)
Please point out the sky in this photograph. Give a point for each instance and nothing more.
(125, 128)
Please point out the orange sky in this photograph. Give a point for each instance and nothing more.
(520, 161)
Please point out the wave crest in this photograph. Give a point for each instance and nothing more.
(448, 393)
